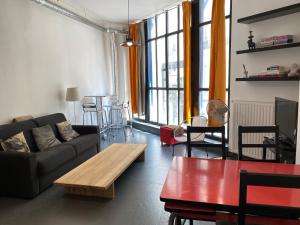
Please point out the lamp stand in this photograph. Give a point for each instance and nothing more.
(74, 112)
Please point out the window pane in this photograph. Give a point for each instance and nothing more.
(151, 64)
(181, 60)
(161, 62)
(153, 105)
(151, 28)
(173, 107)
(173, 20)
(162, 106)
(206, 9)
(227, 7)
(204, 65)
(172, 60)
(203, 100)
(181, 102)
(161, 24)
(180, 18)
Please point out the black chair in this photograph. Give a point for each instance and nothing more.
(259, 129)
(257, 213)
(266, 180)
(191, 144)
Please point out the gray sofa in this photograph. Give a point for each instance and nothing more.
(28, 174)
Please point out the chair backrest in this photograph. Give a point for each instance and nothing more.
(198, 121)
(259, 129)
(191, 143)
(266, 180)
(88, 103)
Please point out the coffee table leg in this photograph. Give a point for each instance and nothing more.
(92, 192)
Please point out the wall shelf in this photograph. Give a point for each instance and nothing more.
(269, 79)
(275, 47)
(270, 14)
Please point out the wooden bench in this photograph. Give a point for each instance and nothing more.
(96, 176)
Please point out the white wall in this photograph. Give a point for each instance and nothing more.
(41, 54)
(262, 91)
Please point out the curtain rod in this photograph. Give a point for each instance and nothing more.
(66, 12)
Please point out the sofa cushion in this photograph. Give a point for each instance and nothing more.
(44, 137)
(9, 130)
(52, 120)
(15, 143)
(84, 142)
(54, 157)
(66, 131)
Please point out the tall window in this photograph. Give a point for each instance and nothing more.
(165, 67)
(165, 62)
(205, 13)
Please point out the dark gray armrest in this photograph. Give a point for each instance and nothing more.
(82, 130)
(18, 174)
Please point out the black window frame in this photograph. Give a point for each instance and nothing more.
(199, 24)
(167, 88)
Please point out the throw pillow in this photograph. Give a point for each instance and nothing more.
(15, 143)
(66, 131)
(44, 137)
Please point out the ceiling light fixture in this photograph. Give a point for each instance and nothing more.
(129, 40)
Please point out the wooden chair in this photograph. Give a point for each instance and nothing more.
(265, 214)
(202, 144)
(259, 129)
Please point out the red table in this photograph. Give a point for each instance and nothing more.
(214, 182)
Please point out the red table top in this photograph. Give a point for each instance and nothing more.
(216, 182)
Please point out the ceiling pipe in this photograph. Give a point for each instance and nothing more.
(66, 12)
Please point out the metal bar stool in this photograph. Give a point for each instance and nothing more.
(89, 107)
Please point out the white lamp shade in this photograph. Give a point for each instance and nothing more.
(72, 94)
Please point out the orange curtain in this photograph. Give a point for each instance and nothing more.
(217, 83)
(187, 106)
(133, 69)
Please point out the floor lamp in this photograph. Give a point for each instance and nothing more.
(73, 95)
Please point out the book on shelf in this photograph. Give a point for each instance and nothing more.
(265, 76)
(275, 40)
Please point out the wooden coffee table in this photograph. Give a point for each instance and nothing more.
(96, 176)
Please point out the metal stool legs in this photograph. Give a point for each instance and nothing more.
(117, 120)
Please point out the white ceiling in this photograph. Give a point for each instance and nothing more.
(115, 11)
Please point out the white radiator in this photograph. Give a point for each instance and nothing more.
(248, 113)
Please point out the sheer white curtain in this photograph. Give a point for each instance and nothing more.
(121, 68)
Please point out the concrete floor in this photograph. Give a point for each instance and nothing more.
(136, 203)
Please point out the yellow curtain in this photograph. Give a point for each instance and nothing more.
(217, 83)
(187, 106)
(133, 69)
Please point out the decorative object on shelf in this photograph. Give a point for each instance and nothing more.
(73, 95)
(251, 43)
(245, 71)
(294, 70)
